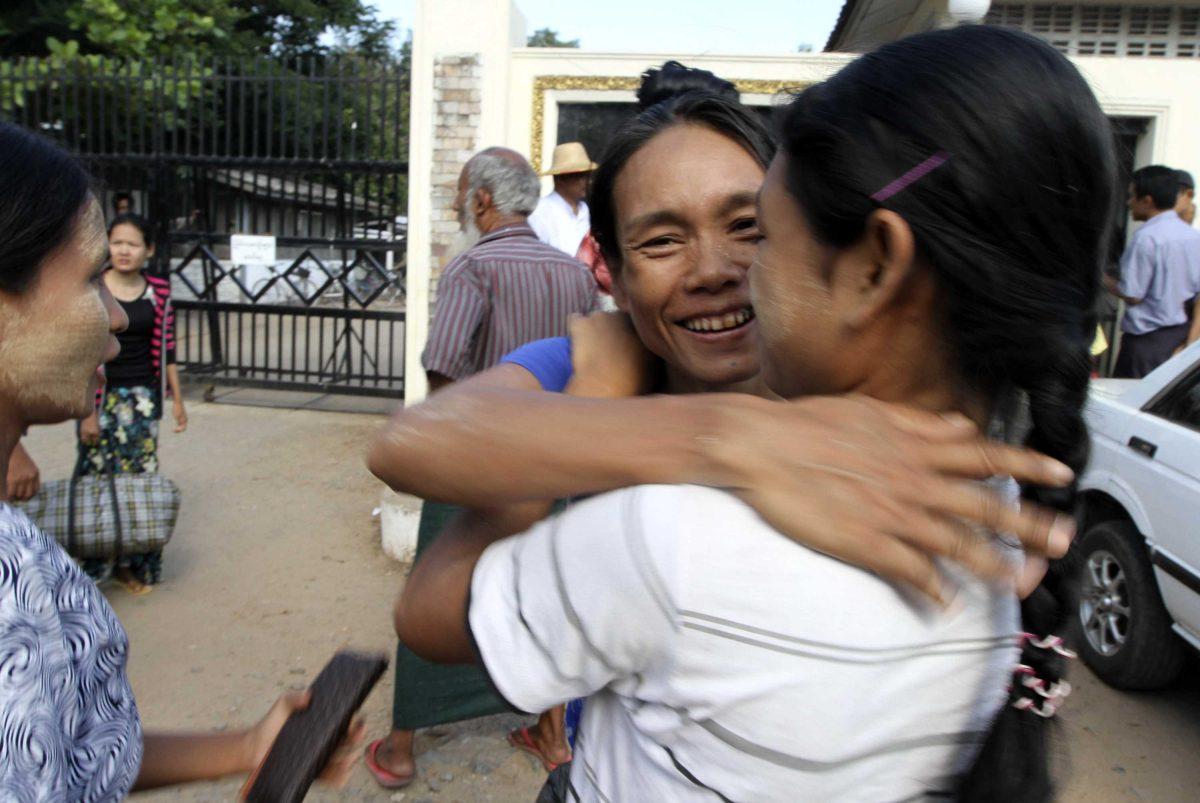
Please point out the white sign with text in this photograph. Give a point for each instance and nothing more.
(252, 249)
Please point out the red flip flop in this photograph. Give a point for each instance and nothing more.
(521, 740)
(386, 779)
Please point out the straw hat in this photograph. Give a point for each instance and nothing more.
(570, 157)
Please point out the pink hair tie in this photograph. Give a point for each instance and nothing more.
(1047, 709)
(1049, 643)
(916, 174)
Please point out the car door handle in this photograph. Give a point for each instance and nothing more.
(1143, 446)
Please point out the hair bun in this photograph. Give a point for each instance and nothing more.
(673, 79)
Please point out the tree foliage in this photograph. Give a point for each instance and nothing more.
(297, 27)
(108, 76)
(136, 29)
(200, 29)
(547, 37)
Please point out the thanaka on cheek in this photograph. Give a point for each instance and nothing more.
(94, 243)
(49, 355)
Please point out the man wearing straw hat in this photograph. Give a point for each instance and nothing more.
(561, 218)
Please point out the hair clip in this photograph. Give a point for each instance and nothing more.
(1047, 709)
(1049, 643)
(1058, 690)
(915, 174)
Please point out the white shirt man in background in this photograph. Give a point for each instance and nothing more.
(561, 218)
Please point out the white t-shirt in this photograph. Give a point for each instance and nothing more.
(556, 224)
(721, 659)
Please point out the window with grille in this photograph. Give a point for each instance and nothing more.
(1100, 19)
(1090, 29)
(1007, 15)
(1149, 20)
(1189, 23)
(1039, 20)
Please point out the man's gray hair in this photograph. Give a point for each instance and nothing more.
(515, 188)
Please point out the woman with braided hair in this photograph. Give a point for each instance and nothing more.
(968, 173)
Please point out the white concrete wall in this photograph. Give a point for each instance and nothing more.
(420, 169)
(1164, 90)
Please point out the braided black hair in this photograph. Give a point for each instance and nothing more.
(1015, 227)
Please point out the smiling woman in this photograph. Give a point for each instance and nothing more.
(684, 176)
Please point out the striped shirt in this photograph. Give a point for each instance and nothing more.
(724, 662)
(506, 290)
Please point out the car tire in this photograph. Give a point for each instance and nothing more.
(1119, 625)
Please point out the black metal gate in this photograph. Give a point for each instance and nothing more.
(311, 152)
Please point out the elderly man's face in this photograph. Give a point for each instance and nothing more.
(460, 200)
(468, 222)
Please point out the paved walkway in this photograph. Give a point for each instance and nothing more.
(276, 563)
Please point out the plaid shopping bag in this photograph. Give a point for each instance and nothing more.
(107, 516)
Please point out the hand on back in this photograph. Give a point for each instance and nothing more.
(609, 358)
(886, 487)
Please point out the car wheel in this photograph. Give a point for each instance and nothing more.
(1120, 626)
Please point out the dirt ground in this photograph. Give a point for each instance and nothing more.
(276, 563)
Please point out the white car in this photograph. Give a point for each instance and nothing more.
(1137, 557)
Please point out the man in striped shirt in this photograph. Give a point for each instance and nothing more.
(508, 288)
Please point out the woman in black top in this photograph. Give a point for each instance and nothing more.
(123, 433)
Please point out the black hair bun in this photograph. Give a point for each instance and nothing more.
(673, 79)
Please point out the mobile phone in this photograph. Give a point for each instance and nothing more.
(309, 738)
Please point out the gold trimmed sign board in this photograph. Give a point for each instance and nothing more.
(611, 83)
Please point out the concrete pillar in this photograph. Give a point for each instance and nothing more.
(461, 53)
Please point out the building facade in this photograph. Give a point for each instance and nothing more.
(475, 84)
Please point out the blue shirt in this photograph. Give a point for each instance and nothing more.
(1161, 266)
(548, 360)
